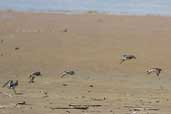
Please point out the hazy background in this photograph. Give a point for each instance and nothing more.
(155, 7)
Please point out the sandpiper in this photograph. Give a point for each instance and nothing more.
(10, 84)
(36, 73)
(67, 72)
(154, 70)
(33, 75)
(125, 57)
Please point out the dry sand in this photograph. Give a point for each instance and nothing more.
(91, 46)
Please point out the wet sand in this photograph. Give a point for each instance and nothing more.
(91, 45)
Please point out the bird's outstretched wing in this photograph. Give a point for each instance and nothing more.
(6, 83)
(158, 72)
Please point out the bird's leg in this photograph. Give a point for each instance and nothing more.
(14, 90)
(158, 77)
(31, 79)
(157, 74)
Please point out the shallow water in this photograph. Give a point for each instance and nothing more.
(139, 7)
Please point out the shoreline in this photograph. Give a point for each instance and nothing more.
(90, 12)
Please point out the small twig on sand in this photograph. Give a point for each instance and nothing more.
(21, 103)
(89, 105)
(139, 108)
(98, 99)
(80, 108)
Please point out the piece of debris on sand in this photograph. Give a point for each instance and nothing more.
(17, 48)
(65, 30)
(45, 93)
(75, 106)
(21, 103)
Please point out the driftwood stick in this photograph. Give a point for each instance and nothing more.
(80, 108)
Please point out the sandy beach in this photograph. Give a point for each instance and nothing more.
(91, 45)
